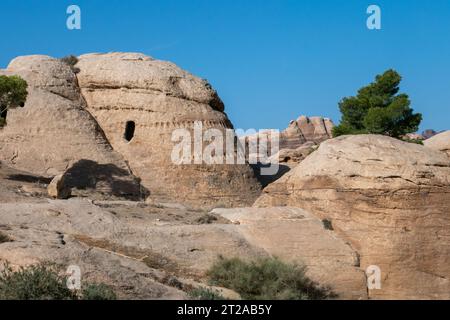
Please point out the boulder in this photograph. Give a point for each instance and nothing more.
(439, 142)
(389, 199)
(58, 189)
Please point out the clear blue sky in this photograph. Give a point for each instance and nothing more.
(270, 60)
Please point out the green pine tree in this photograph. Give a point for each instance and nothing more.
(378, 109)
(13, 93)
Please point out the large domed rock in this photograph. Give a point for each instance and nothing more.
(439, 142)
(53, 132)
(389, 199)
(153, 98)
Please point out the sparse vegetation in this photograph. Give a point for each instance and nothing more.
(13, 94)
(327, 224)
(4, 238)
(98, 291)
(266, 279)
(44, 282)
(378, 109)
(205, 294)
(206, 219)
(37, 282)
(71, 60)
(417, 141)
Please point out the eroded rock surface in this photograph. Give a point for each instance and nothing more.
(53, 131)
(139, 102)
(389, 199)
(306, 129)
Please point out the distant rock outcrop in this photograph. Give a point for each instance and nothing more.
(427, 134)
(390, 199)
(306, 129)
(439, 142)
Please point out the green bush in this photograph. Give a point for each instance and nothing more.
(4, 238)
(38, 282)
(327, 224)
(71, 61)
(205, 294)
(13, 94)
(98, 291)
(206, 219)
(378, 109)
(266, 279)
(43, 282)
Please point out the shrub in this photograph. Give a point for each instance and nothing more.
(378, 109)
(327, 224)
(266, 279)
(416, 141)
(206, 219)
(38, 282)
(4, 238)
(98, 291)
(71, 61)
(43, 282)
(205, 294)
(13, 94)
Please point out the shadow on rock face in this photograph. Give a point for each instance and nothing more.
(29, 178)
(105, 179)
(265, 180)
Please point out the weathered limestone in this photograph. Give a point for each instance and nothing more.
(389, 199)
(53, 131)
(155, 98)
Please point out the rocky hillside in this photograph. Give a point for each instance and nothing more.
(152, 229)
(77, 124)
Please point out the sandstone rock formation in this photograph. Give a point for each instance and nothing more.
(304, 129)
(129, 96)
(139, 101)
(389, 199)
(439, 142)
(300, 131)
(53, 131)
(292, 234)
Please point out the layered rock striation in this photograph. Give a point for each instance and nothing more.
(389, 199)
